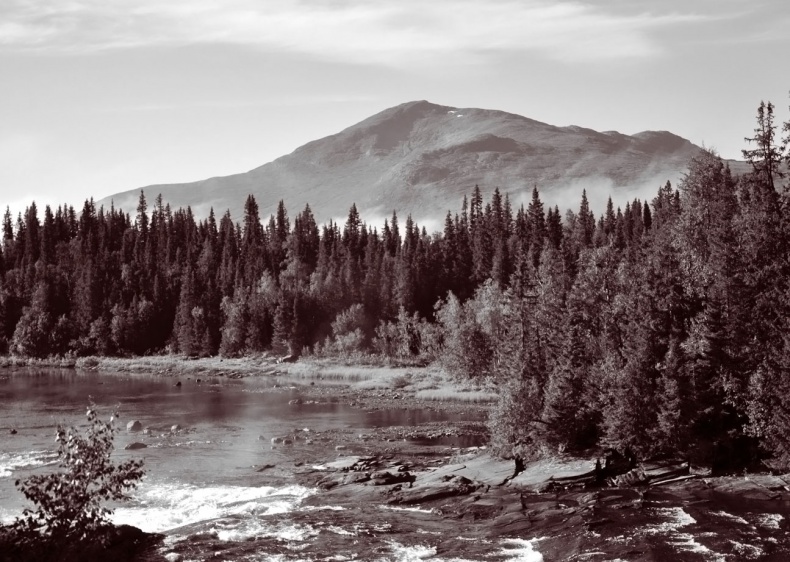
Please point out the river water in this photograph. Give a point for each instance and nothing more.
(202, 480)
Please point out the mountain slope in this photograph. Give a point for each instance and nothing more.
(421, 158)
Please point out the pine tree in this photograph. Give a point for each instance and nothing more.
(766, 158)
(186, 332)
(251, 252)
(283, 326)
(536, 223)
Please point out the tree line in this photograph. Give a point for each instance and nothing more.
(662, 327)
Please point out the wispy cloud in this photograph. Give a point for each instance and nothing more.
(234, 104)
(358, 31)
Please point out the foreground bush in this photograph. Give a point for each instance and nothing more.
(69, 521)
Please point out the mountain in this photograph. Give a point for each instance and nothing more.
(421, 158)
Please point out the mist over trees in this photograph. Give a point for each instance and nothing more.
(660, 328)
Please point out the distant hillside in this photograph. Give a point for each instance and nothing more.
(421, 158)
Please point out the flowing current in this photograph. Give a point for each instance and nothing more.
(204, 485)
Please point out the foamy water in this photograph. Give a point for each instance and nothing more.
(520, 550)
(9, 462)
(770, 520)
(162, 507)
(402, 553)
(674, 519)
(677, 518)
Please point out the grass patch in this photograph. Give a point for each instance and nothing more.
(326, 371)
(172, 365)
(11, 361)
(450, 394)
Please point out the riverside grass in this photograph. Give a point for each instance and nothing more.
(429, 383)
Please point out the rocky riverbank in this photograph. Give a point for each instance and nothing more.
(471, 506)
(413, 486)
(428, 488)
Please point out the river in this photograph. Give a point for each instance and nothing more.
(206, 481)
(218, 489)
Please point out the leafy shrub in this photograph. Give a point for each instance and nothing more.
(474, 331)
(69, 512)
(349, 333)
(402, 338)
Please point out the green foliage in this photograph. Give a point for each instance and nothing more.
(405, 338)
(69, 503)
(473, 330)
(348, 331)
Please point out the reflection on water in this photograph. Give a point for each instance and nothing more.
(395, 417)
(227, 425)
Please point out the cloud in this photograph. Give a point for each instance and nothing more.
(279, 101)
(356, 31)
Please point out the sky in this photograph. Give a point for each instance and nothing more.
(102, 96)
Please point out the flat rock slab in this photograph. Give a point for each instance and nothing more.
(654, 471)
(346, 463)
(744, 489)
(773, 483)
(433, 492)
(440, 474)
(538, 473)
(488, 470)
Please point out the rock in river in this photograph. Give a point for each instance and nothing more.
(134, 425)
(135, 445)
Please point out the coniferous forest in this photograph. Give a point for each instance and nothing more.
(660, 328)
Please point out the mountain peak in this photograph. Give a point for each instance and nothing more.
(421, 158)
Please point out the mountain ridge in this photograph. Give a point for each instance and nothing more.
(420, 158)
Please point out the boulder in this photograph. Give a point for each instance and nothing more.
(277, 440)
(388, 478)
(347, 463)
(135, 445)
(175, 428)
(356, 477)
(329, 482)
(134, 425)
(633, 477)
(13, 431)
(434, 492)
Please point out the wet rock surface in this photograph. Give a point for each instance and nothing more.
(401, 493)
(468, 505)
